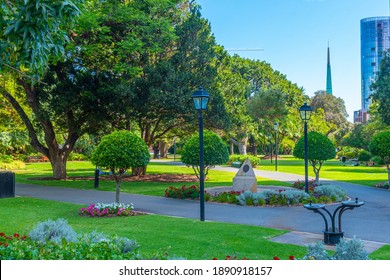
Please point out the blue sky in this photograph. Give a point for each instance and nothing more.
(294, 35)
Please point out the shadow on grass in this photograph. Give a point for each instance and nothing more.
(358, 170)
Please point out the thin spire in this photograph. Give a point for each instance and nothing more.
(328, 74)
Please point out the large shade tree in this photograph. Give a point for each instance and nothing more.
(34, 34)
(381, 88)
(335, 113)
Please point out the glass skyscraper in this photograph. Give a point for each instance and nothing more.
(374, 40)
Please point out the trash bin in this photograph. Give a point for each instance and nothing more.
(7, 184)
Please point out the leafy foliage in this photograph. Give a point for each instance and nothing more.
(33, 32)
(254, 160)
(320, 149)
(334, 108)
(380, 146)
(381, 88)
(91, 246)
(120, 151)
(364, 155)
(183, 192)
(215, 152)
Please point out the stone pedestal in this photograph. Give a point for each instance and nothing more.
(245, 179)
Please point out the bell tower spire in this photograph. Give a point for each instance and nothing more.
(328, 74)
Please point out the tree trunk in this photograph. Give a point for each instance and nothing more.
(117, 189)
(58, 164)
(231, 148)
(138, 171)
(163, 149)
(156, 151)
(52, 151)
(317, 177)
(241, 145)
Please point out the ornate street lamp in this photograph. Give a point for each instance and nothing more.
(201, 99)
(305, 112)
(276, 127)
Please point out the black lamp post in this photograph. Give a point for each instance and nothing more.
(276, 126)
(201, 99)
(305, 112)
(270, 145)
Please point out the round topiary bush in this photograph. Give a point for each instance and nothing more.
(215, 152)
(320, 149)
(120, 151)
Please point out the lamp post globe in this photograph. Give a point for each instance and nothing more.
(305, 112)
(201, 99)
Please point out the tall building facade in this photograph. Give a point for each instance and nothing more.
(328, 75)
(374, 40)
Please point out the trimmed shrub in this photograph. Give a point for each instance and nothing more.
(183, 192)
(364, 156)
(255, 161)
(377, 160)
(215, 152)
(120, 151)
(320, 149)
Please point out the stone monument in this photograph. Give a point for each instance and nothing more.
(245, 179)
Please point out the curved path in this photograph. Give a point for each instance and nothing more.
(369, 222)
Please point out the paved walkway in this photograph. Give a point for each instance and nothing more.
(370, 222)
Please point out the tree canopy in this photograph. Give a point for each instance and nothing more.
(381, 88)
(120, 151)
(320, 149)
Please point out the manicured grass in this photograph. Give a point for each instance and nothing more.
(332, 169)
(186, 238)
(381, 254)
(39, 170)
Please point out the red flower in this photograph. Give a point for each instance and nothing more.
(2, 234)
(227, 258)
(16, 235)
(215, 259)
(276, 258)
(291, 258)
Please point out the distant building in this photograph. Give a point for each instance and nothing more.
(328, 75)
(374, 40)
(361, 116)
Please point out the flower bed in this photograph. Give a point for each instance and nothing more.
(108, 210)
(384, 185)
(280, 197)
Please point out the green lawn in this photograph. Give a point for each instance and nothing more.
(186, 238)
(332, 169)
(39, 170)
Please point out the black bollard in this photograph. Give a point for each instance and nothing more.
(96, 178)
